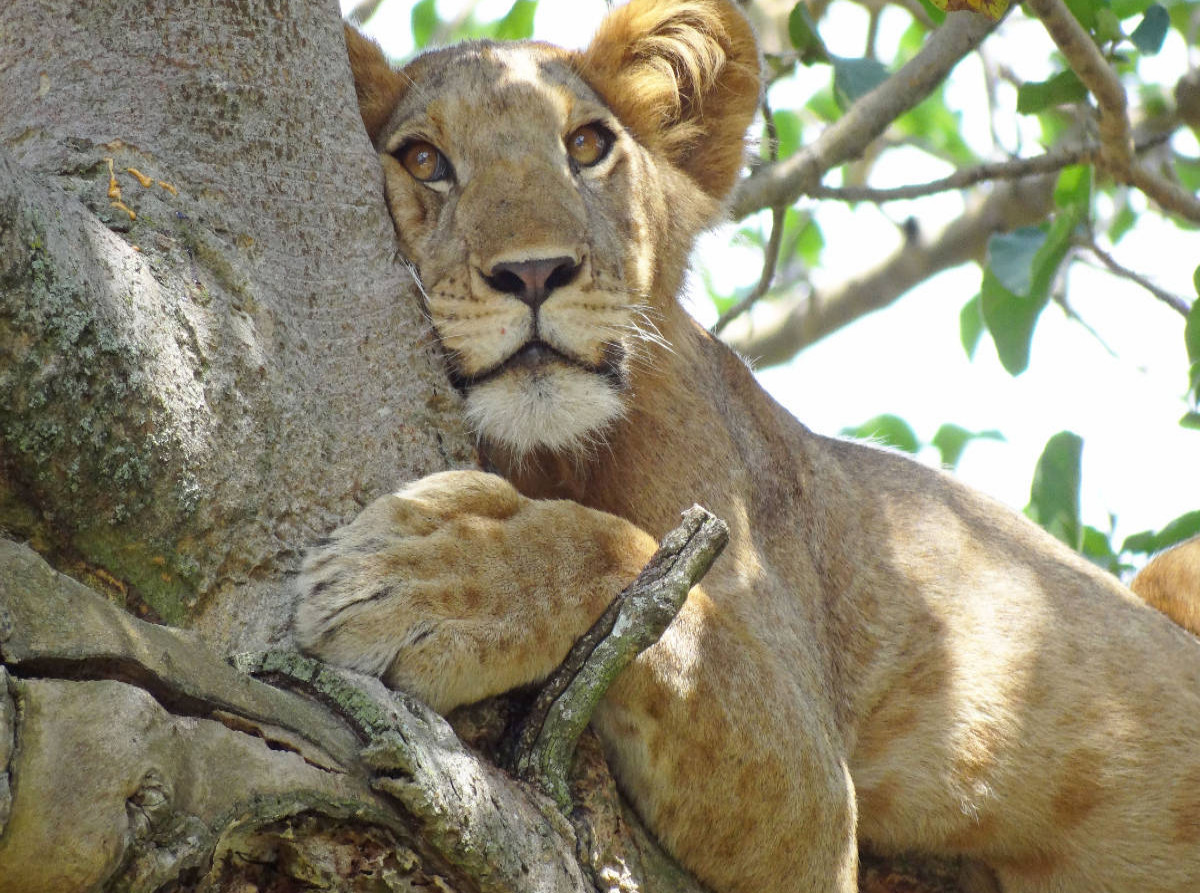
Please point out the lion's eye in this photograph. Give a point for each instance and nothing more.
(424, 161)
(587, 145)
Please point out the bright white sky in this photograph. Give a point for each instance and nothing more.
(907, 360)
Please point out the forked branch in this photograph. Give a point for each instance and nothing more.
(1116, 152)
(784, 182)
(634, 621)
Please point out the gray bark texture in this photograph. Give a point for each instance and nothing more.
(210, 355)
(191, 396)
(186, 398)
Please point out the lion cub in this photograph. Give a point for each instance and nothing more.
(881, 654)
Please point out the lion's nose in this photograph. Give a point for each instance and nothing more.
(532, 281)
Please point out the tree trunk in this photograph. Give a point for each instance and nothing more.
(193, 395)
(210, 355)
(189, 396)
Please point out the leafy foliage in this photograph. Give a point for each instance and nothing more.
(430, 28)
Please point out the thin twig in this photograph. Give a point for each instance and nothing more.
(990, 84)
(634, 621)
(1175, 302)
(770, 261)
(1073, 316)
(771, 252)
(874, 13)
(1048, 163)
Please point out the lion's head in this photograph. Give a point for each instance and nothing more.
(549, 199)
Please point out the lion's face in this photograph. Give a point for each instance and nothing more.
(549, 231)
(512, 187)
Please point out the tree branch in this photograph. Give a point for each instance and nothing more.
(472, 815)
(137, 721)
(802, 322)
(634, 621)
(787, 180)
(1116, 141)
(1086, 60)
(1015, 169)
(1175, 302)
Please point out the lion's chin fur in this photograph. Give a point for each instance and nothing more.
(561, 409)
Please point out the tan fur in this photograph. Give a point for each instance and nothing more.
(880, 655)
(1171, 583)
(376, 84)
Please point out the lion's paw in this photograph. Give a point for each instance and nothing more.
(457, 587)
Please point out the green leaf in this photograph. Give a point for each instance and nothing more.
(1054, 495)
(1122, 223)
(1074, 186)
(853, 78)
(1097, 548)
(1148, 541)
(803, 33)
(809, 239)
(951, 440)
(824, 105)
(936, 15)
(890, 430)
(1011, 319)
(1182, 528)
(1196, 282)
(912, 40)
(1191, 340)
(788, 132)
(1188, 171)
(424, 21)
(1123, 9)
(1191, 329)
(1182, 16)
(1052, 253)
(1151, 31)
(1108, 27)
(971, 325)
(1191, 421)
(1084, 11)
(1062, 89)
(932, 124)
(517, 23)
(1010, 257)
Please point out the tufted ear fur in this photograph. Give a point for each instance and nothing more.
(378, 85)
(683, 76)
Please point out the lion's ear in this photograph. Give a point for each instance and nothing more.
(683, 76)
(378, 85)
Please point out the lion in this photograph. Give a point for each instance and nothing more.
(1171, 583)
(881, 656)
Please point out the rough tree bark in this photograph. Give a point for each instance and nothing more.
(210, 355)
